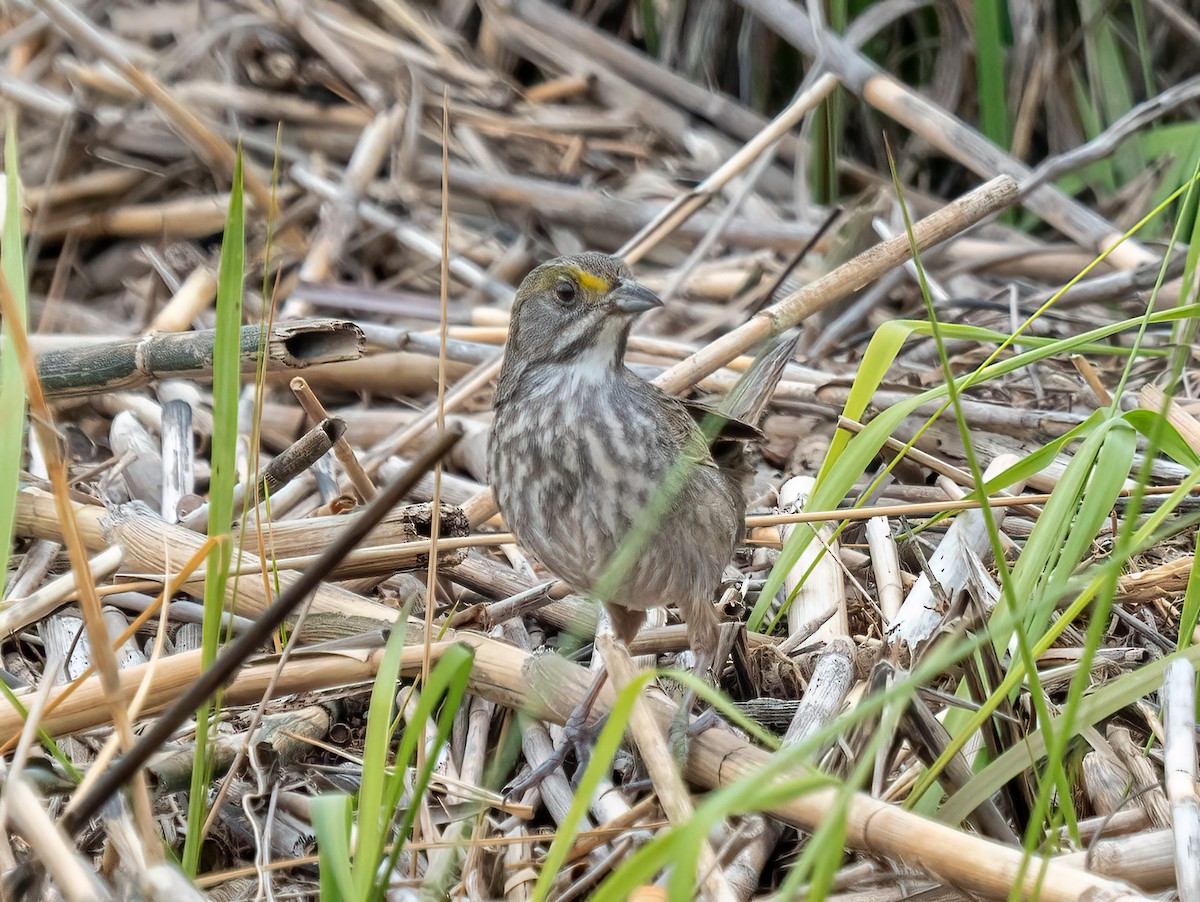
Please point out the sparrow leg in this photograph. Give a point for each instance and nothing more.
(577, 735)
(683, 728)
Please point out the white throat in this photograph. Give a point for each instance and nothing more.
(595, 364)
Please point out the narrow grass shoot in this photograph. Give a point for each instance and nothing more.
(994, 119)
(444, 689)
(12, 392)
(1108, 81)
(12, 384)
(1121, 441)
(226, 388)
(373, 820)
(333, 823)
(1008, 594)
(1183, 339)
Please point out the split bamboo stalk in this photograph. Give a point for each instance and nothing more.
(407, 524)
(32, 570)
(101, 368)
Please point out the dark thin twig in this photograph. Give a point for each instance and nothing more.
(245, 645)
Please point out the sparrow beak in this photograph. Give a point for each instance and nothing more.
(630, 297)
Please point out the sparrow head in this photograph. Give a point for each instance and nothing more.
(576, 310)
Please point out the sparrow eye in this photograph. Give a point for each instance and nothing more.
(565, 292)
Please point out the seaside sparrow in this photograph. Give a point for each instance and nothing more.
(580, 446)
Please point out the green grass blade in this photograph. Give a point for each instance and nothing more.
(881, 353)
(373, 819)
(1103, 702)
(1104, 485)
(838, 474)
(1108, 80)
(1184, 338)
(1146, 536)
(982, 335)
(68, 767)
(826, 849)
(1189, 616)
(989, 71)
(1153, 424)
(12, 383)
(1105, 482)
(1038, 460)
(723, 705)
(649, 26)
(331, 820)
(1044, 548)
(642, 865)
(226, 389)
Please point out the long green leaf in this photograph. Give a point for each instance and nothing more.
(331, 820)
(12, 382)
(833, 483)
(373, 818)
(1104, 485)
(1189, 615)
(989, 70)
(226, 389)
(1103, 702)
